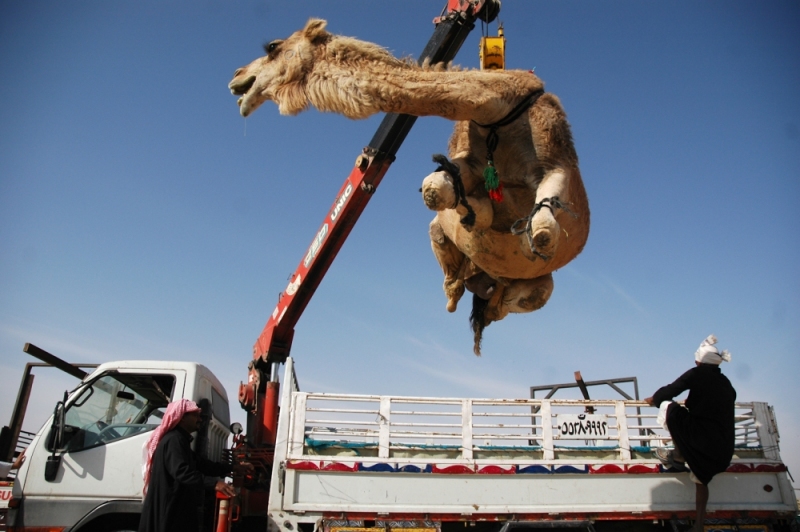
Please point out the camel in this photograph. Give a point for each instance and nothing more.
(510, 204)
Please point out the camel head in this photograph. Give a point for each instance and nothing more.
(281, 75)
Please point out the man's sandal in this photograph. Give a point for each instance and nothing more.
(667, 457)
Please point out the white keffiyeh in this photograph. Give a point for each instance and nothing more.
(707, 353)
(172, 417)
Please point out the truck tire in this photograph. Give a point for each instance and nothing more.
(112, 523)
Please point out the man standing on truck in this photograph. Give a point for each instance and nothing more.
(174, 477)
(703, 430)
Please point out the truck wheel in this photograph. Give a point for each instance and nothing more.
(250, 524)
(113, 523)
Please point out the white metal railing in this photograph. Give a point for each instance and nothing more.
(499, 430)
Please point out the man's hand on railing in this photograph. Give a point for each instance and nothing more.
(243, 468)
(225, 489)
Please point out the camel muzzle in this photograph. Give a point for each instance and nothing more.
(240, 87)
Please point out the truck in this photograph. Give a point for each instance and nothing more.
(354, 462)
(371, 463)
(364, 463)
(82, 469)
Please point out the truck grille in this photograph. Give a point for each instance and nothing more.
(217, 442)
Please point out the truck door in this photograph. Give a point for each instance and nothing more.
(106, 422)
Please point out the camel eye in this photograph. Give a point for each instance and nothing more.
(271, 47)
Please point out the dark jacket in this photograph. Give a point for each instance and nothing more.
(177, 481)
(704, 430)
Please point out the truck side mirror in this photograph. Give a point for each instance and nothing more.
(57, 435)
(236, 428)
(51, 467)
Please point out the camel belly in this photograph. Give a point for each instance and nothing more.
(498, 254)
(502, 254)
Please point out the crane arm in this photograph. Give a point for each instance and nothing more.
(275, 341)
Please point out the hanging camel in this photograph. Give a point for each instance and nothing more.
(510, 203)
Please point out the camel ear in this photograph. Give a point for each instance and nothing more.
(315, 29)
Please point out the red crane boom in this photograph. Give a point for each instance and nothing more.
(259, 395)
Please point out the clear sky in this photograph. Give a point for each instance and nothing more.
(142, 217)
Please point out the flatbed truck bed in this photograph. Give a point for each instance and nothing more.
(346, 462)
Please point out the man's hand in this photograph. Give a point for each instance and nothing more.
(244, 468)
(19, 461)
(649, 401)
(225, 488)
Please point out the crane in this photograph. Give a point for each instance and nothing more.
(259, 395)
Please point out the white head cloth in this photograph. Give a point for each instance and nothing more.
(172, 417)
(708, 353)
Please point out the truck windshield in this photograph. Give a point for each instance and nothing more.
(115, 406)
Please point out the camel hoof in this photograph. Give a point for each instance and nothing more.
(527, 295)
(437, 191)
(545, 239)
(543, 242)
(534, 301)
(453, 290)
(452, 305)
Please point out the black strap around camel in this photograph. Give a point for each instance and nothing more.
(524, 225)
(494, 188)
(458, 187)
(490, 175)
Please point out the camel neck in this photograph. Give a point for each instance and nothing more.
(484, 97)
(515, 113)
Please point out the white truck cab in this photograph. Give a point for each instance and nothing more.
(82, 470)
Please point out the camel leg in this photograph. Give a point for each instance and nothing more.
(520, 296)
(527, 295)
(452, 262)
(439, 193)
(545, 230)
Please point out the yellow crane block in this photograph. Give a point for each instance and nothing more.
(493, 51)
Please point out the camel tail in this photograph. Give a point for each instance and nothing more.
(477, 320)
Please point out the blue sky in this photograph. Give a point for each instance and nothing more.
(142, 217)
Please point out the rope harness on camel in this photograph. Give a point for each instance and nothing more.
(490, 176)
(458, 186)
(550, 203)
